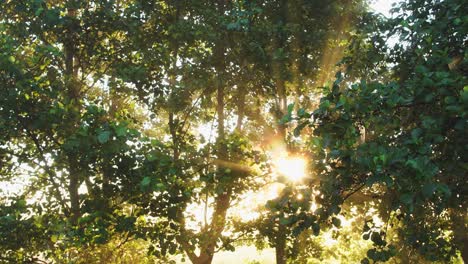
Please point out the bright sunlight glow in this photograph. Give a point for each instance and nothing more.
(293, 168)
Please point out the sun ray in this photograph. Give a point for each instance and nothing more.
(293, 168)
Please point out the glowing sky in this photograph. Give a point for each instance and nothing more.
(382, 6)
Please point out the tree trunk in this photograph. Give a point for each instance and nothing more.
(460, 230)
(73, 90)
(173, 84)
(464, 251)
(280, 245)
(278, 72)
(73, 189)
(240, 108)
(222, 200)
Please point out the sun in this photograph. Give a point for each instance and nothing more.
(293, 168)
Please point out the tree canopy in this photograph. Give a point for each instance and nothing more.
(167, 131)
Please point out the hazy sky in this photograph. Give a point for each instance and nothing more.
(383, 6)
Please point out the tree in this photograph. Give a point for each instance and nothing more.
(101, 104)
(208, 54)
(73, 138)
(302, 42)
(399, 138)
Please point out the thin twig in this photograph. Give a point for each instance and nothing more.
(354, 191)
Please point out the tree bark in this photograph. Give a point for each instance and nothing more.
(282, 105)
(280, 245)
(173, 83)
(74, 97)
(223, 199)
(73, 189)
(278, 71)
(240, 108)
(460, 231)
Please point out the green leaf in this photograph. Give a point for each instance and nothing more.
(366, 226)
(156, 143)
(325, 104)
(39, 11)
(103, 137)
(389, 181)
(298, 129)
(121, 131)
(450, 100)
(290, 108)
(406, 198)
(85, 219)
(285, 119)
(415, 134)
(160, 187)
(285, 220)
(146, 181)
(339, 78)
(21, 203)
(421, 69)
(52, 16)
(376, 237)
(371, 253)
(444, 189)
(301, 112)
(341, 102)
(232, 26)
(336, 222)
(415, 164)
(428, 189)
(316, 229)
(151, 157)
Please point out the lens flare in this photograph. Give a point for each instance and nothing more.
(293, 168)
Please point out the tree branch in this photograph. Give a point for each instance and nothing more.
(48, 170)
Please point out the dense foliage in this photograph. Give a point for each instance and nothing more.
(397, 135)
(131, 131)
